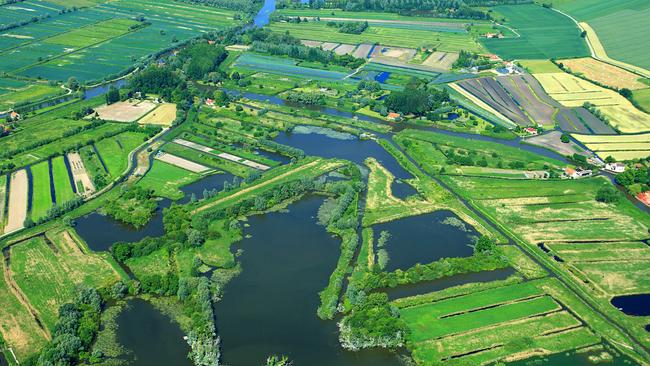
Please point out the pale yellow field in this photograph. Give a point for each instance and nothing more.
(164, 115)
(604, 73)
(572, 91)
(620, 147)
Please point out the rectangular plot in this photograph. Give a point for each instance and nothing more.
(17, 205)
(425, 327)
(62, 187)
(618, 278)
(3, 195)
(363, 50)
(344, 49)
(182, 163)
(41, 194)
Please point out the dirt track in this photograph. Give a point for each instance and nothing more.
(18, 191)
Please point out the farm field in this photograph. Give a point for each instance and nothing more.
(571, 91)
(283, 66)
(166, 179)
(619, 25)
(543, 34)
(604, 73)
(127, 111)
(163, 115)
(412, 38)
(182, 163)
(491, 325)
(18, 201)
(547, 212)
(620, 147)
(49, 268)
(642, 96)
(539, 66)
(114, 151)
(62, 186)
(41, 193)
(368, 15)
(102, 45)
(11, 98)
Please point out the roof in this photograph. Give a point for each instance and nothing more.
(644, 197)
(393, 115)
(570, 171)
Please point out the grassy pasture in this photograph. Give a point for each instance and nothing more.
(370, 15)
(412, 38)
(163, 115)
(604, 73)
(10, 98)
(114, 151)
(3, 198)
(544, 34)
(62, 185)
(572, 91)
(539, 66)
(49, 275)
(41, 195)
(620, 147)
(642, 96)
(166, 179)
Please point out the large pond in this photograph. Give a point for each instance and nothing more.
(426, 238)
(636, 305)
(150, 337)
(270, 308)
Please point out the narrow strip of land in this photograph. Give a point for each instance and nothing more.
(18, 191)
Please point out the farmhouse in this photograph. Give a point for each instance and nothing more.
(577, 173)
(209, 102)
(531, 130)
(393, 116)
(615, 167)
(644, 197)
(14, 116)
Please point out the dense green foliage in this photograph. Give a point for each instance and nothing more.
(201, 58)
(417, 99)
(134, 206)
(373, 322)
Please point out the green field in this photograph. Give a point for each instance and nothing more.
(41, 195)
(166, 179)
(62, 185)
(642, 96)
(442, 41)
(544, 33)
(115, 151)
(283, 66)
(621, 26)
(49, 275)
(10, 98)
(44, 49)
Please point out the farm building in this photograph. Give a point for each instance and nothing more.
(615, 167)
(644, 197)
(393, 116)
(531, 130)
(577, 173)
(14, 116)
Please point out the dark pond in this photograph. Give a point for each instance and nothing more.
(402, 189)
(3, 361)
(443, 283)
(151, 337)
(316, 142)
(636, 305)
(101, 231)
(270, 308)
(426, 238)
(574, 359)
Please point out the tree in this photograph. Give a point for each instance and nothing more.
(627, 93)
(220, 97)
(608, 194)
(113, 95)
(72, 83)
(565, 138)
(484, 244)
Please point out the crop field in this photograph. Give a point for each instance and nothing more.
(163, 115)
(41, 194)
(494, 324)
(620, 26)
(552, 140)
(442, 60)
(283, 66)
(572, 91)
(411, 38)
(604, 73)
(369, 15)
(114, 151)
(127, 111)
(166, 179)
(551, 212)
(26, 10)
(111, 52)
(539, 66)
(182, 163)
(18, 200)
(620, 147)
(543, 34)
(3, 200)
(521, 99)
(642, 96)
(49, 268)
(10, 97)
(62, 187)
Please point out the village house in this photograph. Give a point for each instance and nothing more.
(615, 167)
(577, 173)
(531, 130)
(14, 116)
(393, 116)
(209, 102)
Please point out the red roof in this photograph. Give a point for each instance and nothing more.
(393, 115)
(644, 197)
(569, 171)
